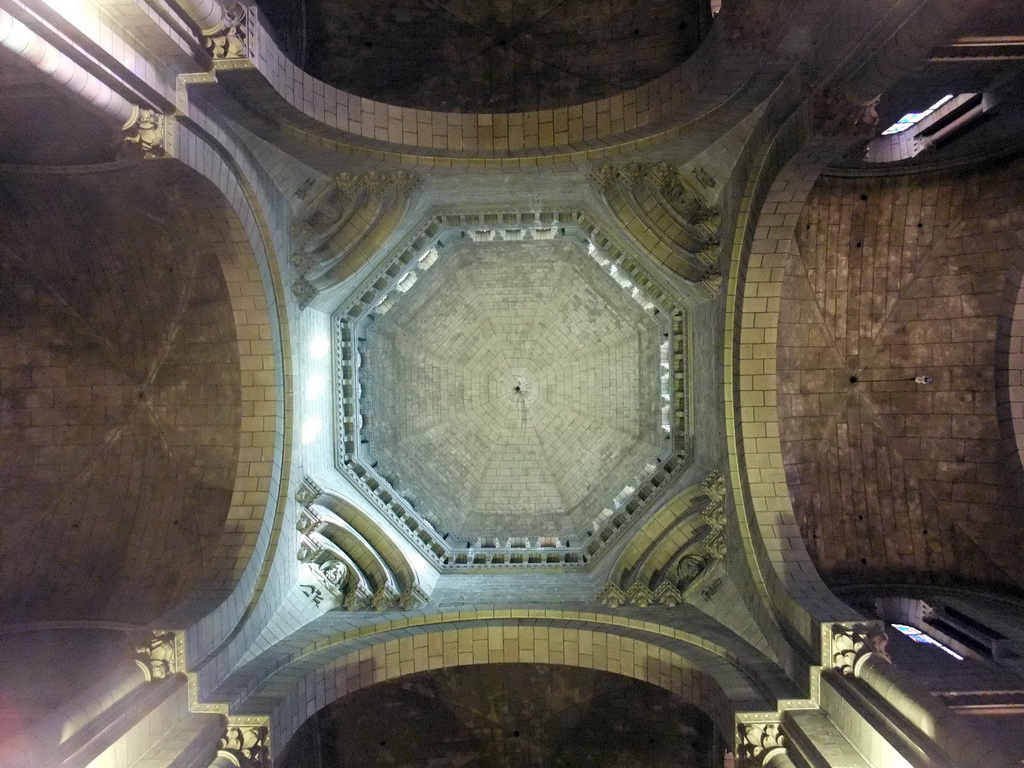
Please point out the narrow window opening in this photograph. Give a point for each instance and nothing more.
(920, 637)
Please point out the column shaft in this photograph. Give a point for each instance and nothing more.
(45, 57)
(38, 746)
(967, 746)
(207, 14)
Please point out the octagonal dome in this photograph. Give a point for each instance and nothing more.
(511, 389)
(514, 390)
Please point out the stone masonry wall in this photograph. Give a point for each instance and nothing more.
(896, 278)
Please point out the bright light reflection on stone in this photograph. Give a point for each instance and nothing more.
(319, 347)
(311, 428)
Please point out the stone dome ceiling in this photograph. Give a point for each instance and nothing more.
(514, 390)
(487, 55)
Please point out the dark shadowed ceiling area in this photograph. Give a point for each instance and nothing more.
(894, 481)
(507, 716)
(40, 125)
(119, 390)
(487, 55)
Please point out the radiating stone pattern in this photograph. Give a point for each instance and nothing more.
(494, 56)
(453, 432)
(894, 481)
(119, 391)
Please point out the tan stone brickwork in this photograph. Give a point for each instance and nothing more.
(120, 394)
(893, 279)
(143, 316)
(495, 641)
(781, 569)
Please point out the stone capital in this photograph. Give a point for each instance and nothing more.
(757, 742)
(158, 655)
(307, 492)
(611, 595)
(245, 745)
(853, 642)
(232, 39)
(146, 129)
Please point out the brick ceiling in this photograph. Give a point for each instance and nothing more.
(119, 391)
(894, 481)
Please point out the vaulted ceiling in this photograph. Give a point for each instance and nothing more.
(493, 56)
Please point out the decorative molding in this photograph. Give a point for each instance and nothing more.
(611, 595)
(146, 129)
(160, 655)
(657, 206)
(851, 643)
(663, 573)
(423, 244)
(245, 745)
(758, 742)
(339, 229)
(349, 571)
(233, 38)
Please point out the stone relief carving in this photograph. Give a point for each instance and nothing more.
(851, 643)
(757, 742)
(247, 746)
(146, 131)
(231, 40)
(157, 655)
(340, 228)
(348, 571)
(704, 178)
(688, 565)
(657, 200)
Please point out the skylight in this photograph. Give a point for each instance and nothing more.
(913, 118)
(920, 637)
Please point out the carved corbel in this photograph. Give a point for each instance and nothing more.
(384, 598)
(357, 599)
(714, 486)
(245, 746)
(304, 291)
(158, 656)
(668, 594)
(758, 743)
(853, 643)
(307, 522)
(413, 597)
(146, 130)
(308, 492)
(233, 38)
(639, 594)
(611, 595)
